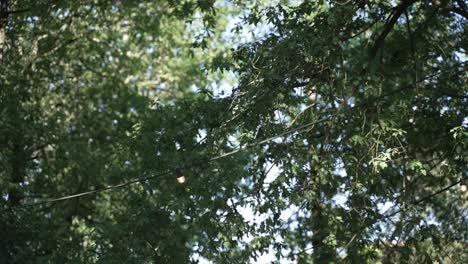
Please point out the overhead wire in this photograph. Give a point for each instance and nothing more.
(139, 180)
(289, 131)
(310, 124)
(107, 188)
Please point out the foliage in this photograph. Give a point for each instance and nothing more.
(341, 109)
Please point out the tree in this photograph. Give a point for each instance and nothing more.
(85, 87)
(386, 124)
(357, 106)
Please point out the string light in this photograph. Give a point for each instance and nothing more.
(182, 179)
(179, 176)
(463, 186)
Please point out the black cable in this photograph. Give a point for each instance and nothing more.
(110, 187)
(242, 148)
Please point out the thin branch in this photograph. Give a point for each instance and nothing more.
(387, 216)
(362, 30)
(18, 11)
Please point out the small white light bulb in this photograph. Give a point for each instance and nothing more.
(181, 179)
(179, 176)
(463, 188)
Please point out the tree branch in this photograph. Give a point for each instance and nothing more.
(398, 11)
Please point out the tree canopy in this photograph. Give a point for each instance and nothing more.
(306, 131)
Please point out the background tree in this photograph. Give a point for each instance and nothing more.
(96, 93)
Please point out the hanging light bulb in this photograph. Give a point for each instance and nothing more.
(180, 176)
(463, 186)
(181, 179)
